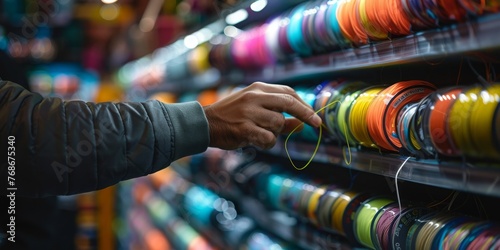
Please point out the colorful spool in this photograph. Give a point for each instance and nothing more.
(383, 110)
(272, 39)
(357, 116)
(322, 36)
(350, 211)
(364, 218)
(273, 190)
(374, 32)
(458, 124)
(313, 204)
(404, 131)
(427, 233)
(294, 31)
(326, 203)
(333, 27)
(333, 103)
(400, 232)
(417, 124)
(481, 123)
(342, 118)
(308, 192)
(381, 226)
(435, 119)
(323, 94)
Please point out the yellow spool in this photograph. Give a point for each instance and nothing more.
(458, 121)
(482, 123)
(313, 204)
(338, 210)
(357, 117)
(365, 217)
(342, 115)
(370, 30)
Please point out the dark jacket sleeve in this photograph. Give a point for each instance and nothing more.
(72, 147)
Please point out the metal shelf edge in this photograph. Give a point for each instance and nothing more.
(446, 174)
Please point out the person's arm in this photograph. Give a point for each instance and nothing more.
(72, 147)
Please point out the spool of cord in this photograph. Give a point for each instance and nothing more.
(429, 230)
(291, 195)
(334, 102)
(402, 230)
(485, 238)
(321, 35)
(400, 21)
(364, 218)
(272, 39)
(381, 226)
(384, 109)
(323, 94)
(344, 211)
(273, 190)
(294, 31)
(287, 193)
(342, 118)
(358, 113)
(421, 138)
(312, 206)
(482, 123)
(405, 134)
(414, 230)
(333, 29)
(325, 206)
(474, 233)
(458, 124)
(476, 7)
(308, 191)
(345, 17)
(309, 31)
(445, 234)
(454, 238)
(434, 120)
(369, 22)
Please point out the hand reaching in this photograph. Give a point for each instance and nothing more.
(254, 116)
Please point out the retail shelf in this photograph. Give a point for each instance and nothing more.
(474, 35)
(481, 179)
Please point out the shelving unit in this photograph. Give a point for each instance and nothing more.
(446, 174)
(454, 41)
(476, 35)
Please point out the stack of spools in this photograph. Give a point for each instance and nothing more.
(373, 221)
(317, 27)
(412, 117)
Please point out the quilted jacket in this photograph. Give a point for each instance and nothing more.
(67, 147)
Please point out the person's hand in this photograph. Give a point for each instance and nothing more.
(254, 116)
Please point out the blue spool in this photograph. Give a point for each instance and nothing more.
(333, 26)
(294, 32)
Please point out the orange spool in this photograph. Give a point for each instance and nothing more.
(438, 121)
(384, 110)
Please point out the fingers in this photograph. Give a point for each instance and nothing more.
(270, 120)
(291, 105)
(278, 89)
(292, 124)
(262, 138)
